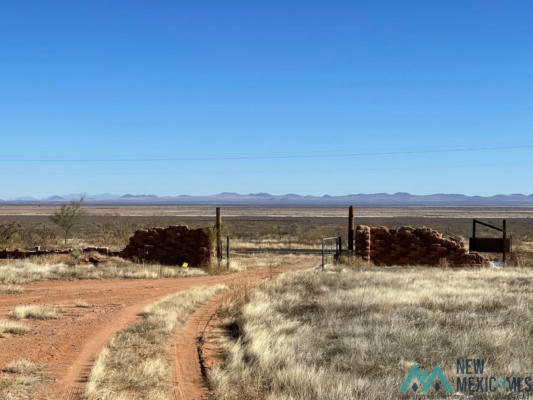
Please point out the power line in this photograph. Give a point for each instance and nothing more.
(273, 155)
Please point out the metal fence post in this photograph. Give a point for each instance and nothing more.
(228, 251)
(351, 229)
(323, 255)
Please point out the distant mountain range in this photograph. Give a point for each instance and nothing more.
(226, 198)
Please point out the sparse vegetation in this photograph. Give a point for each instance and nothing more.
(18, 234)
(33, 270)
(82, 304)
(67, 216)
(13, 328)
(265, 260)
(22, 367)
(11, 289)
(295, 228)
(333, 335)
(134, 363)
(20, 380)
(261, 260)
(18, 272)
(35, 312)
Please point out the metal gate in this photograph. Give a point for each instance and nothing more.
(331, 250)
(491, 245)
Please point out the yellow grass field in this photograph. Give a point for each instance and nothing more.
(355, 332)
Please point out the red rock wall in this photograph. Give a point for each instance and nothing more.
(410, 246)
(172, 246)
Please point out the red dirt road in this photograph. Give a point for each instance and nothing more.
(187, 348)
(69, 345)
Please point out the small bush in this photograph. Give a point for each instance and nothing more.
(11, 289)
(22, 367)
(14, 328)
(35, 312)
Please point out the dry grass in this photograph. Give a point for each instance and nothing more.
(284, 242)
(11, 289)
(522, 255)
(26, 271)
(35, 312)
(20, 380)
(23, 367)
(82, 304)
(243, 262)
(266, 260)
(354, 333)
(133, 365)
(13, 328)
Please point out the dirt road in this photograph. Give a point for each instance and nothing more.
(69, 345)
(187, 349)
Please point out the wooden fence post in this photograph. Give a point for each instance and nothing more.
(351, 230)
(504, 230)
(218, 228)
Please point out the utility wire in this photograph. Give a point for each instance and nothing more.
(274, 155)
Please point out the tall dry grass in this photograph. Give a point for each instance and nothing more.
(11, 289)
(243, 262)
(27, 271)
(20, 380)
(354, 333)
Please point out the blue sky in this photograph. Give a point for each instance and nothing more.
(309, 96)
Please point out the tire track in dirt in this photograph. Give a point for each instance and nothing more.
(194, 350)
(189, 372)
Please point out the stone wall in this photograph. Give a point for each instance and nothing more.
(410, 246)
(173, 246)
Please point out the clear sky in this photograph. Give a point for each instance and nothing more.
(174, 97)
